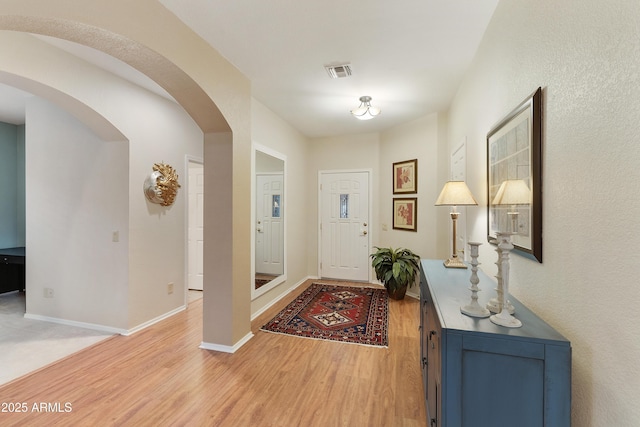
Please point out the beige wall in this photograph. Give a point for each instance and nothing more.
(422, 139)
(585, 56)
(151, 244)
(419, 140)
(348, 152)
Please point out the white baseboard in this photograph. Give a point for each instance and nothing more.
(412, 294)
(255, 315)
(92, 326)
(103, 328)
(226, 348)
(155, 320)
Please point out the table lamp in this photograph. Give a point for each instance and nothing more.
(455, 193)
(513, 192)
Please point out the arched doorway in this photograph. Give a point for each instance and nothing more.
(156, 46)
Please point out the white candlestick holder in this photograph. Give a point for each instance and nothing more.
(474, 309)
(504, 318)
(495, 304)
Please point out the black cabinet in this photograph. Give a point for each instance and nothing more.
(12, 267)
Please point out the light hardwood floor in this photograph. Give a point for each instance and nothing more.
(159, 377)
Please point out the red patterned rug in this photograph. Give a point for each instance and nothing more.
(338, 313)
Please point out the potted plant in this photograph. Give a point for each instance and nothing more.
(396, 269)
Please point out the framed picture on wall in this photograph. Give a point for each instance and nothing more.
(405, 214)
(514, 160)
(405, 177)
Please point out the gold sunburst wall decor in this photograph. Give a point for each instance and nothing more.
(161, 186)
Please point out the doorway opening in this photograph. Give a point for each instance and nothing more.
(195, 224)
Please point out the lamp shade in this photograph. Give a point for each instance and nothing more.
(513, 192)
(456, 193)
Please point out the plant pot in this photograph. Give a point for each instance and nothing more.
(396, 292)
(396, 268)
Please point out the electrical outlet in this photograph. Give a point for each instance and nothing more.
(48, 292)
(170, 288)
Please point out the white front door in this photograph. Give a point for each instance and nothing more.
(344, 225)
(270, 224)
(195, 254)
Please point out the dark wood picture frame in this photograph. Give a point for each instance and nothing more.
(405, 214)
(514, 151)
(405, 177)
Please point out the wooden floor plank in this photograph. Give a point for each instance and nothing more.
(159, 377)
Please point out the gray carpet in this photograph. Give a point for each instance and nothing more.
(27, 345)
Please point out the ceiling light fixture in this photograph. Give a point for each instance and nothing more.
(365, 111)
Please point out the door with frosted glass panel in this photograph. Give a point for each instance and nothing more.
(270, 223)
(344, 225)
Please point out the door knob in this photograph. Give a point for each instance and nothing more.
(364, 224)
(364, 233)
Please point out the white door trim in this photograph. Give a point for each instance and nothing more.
(372, 221)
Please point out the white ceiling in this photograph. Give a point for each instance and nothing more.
(408, 55)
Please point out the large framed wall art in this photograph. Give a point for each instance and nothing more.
(514, 153)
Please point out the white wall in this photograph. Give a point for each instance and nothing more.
(585, 56)
(76, 195)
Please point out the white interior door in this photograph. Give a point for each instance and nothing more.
(459, 173)
(195, 246)
(269, 224)
(344, 225)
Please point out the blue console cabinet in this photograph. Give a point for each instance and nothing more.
(480, 374)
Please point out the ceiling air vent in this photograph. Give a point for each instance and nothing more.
(338, 71)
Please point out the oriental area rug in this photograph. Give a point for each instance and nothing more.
(347, 314)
